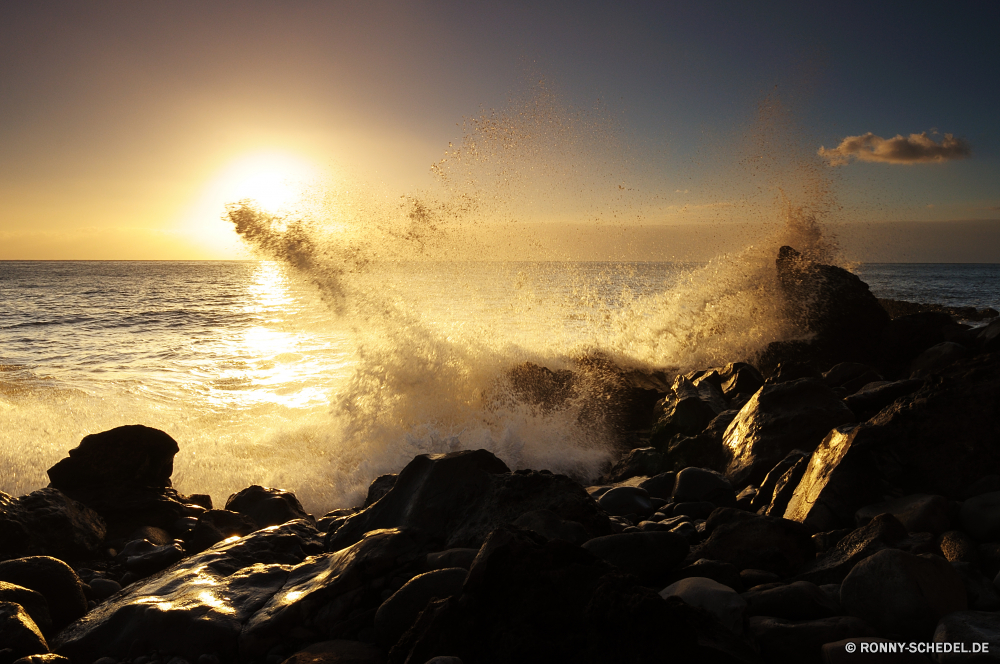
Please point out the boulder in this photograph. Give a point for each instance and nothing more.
(267, 506)
(703, 485)
(919, 513)
(641, 461)
(784, 488)
(906, 337)
(779, 419)
(799, 600)
(721, 601)
(936, 441)
(867, 403)
(660, 486)
(882, 532)
(936, 358)
(214, 526)
(456, 499)
(757, 542)
(397, 613)
(143, 558)
(903, 595)
(451, 558)
(724, 573)
(626, 500)
(32, 601)
(19, 635)
(687, 412)
(765, 492)
(980, 517)
(851, 376)
(48, 523)
(800, 642)
(650, 556)
(957, 547)
(548, 524)
(199, 605)
(980, 593)
(739, 378)
(52, 579)
(969, 628)
(379, 487)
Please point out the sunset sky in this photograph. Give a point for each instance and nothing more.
(125, 127)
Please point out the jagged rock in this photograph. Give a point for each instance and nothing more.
(756, 542)
(32, 601)
(777, 420)
(868, 402)
(790, 642)
(214, 526)
(48, 658)
(970, 628)
(650, 556)
(799, 600)
(882, 532)
(919, 513)
(47, 522)
(937, 441)
(784, 488)
(765, 492)
(936, 358)
(686, 412)
(397, 613)
(267, 506)
(739, 378)
(851, 376)
(19, 635)
(548, 524)
(458, 498)
(702, 484)
(901, 594)
(199, 605)
(641, 461)
(790, 370)
(721, 601)
(379, 487)
(980, 517)
(52, 579)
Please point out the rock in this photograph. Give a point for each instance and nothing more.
(988, 338)
(397, 613)
(980, 593)
(882, 532)
(936, 441)
(157, 536)
(721, 601)
(956, 546)
(784, 488)
(104, 588)
(201, 605)
(641, 461)
(52, 579)
(703, 450)
(699, 510)
(267, 506)
(969, 628)
(868, 402)
(451, 558)
(650, 556)
(766, 491)
(851, 376)
(835, 305)
(380, 486)
(756, 577)
(659, 486)
(625, 500)
(724, 573)
(124, 475)
(338, 652)
(758, 542)
(215, 526)
(32, 601)
(937, 358)
(799, 600)
(49, 658)
(985, 484)
(788, 371)
(870, 650)
(47, 522)
(981, 517)
(548, 524)
(458, 498)
(19, 635)
(800, 642)
(903, 595)
(906, 337)
(919, 513)
(740, 378)
(144, 558)
(701, 484)
(777, 420)
(686, 412)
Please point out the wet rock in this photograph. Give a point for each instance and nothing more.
(724, 573)
(200, 605)
(687, 412)
(19, 635)
(32, 601)
(799, 600)
(980, 517)
(882, 532)
(766, 491)
(47, 522)
(777, 420)
(157, 536)
(758, 542)
(641, 461)
(784, 488)
(451, 558)
(702, 484)
(52, 579)
(104, 588)
(721, 601)
(650, 556)
(968, 628)
(868, 402)
(660, 486)
(380, 486)
(144, 558)
(790, 370)
(49, 658)
(338, 652)
(215, 526)
(625, 500)
(901, 594)
(699, 510)
(906, 337)
(919, 513)
(740, 378)
(456, 499)
(267, 506)
(548, 524)
(851, 376)
(800, 642)
(936, 358)
(397, 613)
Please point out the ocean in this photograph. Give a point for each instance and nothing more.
(320, 380)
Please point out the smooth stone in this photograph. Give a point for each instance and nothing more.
(19, 635)
(703, 485)
(979, 590)
(625, 500)
(721, 601)
(936, 358)
(724, 573)
(980, 516)
(651, 556)
(756, 577)
(919, 513)
(399, 611)
(749, 541)
(267, 506)
(104, 588)
(31, 601)
(639, 462)
(50, 523)
(969, 627)
(52, 579)
(145, 560)
(660, 486)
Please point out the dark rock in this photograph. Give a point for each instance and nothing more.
(852, 376)
(721, 601)
(699, 510)
(47, 522)
(985, 484)
(989, 558)
(882, 532)
(143, 558)
(201, 605)
(937, 441)
(936, 358)
(625, 500)
(214, 526)
(790, 642)
(957, 547)
(903, 595)
(799, 600)
(740, 378)
(757, 542)
(777, 420)
(267, 506)
(548, 524)
(968, 628)
(339, 651)
(380, 486)
(32, 601)
(756, 577)
(919, 513)
(397, 613)
(766, 491)
(897, 308)
(104, 588)
(686, 412)
(724, 573)
(157, 536)
(19, 635)
(52, 579)
(784, 488)
(702, 484)
(867, 403)
(456, 499)
(906, 337)
(788, 371)
(980, 517)
(987, 339)
(651, 556)
(451, 558)
(660, 486)
(980, 593)
(641, 461)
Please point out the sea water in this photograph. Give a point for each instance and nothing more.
(263, 377)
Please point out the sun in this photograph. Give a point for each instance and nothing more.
(275, 181)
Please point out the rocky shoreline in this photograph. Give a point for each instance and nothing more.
(840, 489)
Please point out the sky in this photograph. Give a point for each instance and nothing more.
(126, 127)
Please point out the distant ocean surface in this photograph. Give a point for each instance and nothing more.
(241, 363)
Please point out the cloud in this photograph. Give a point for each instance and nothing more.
(912, 149)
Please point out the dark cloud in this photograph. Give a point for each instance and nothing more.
(912, 149)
